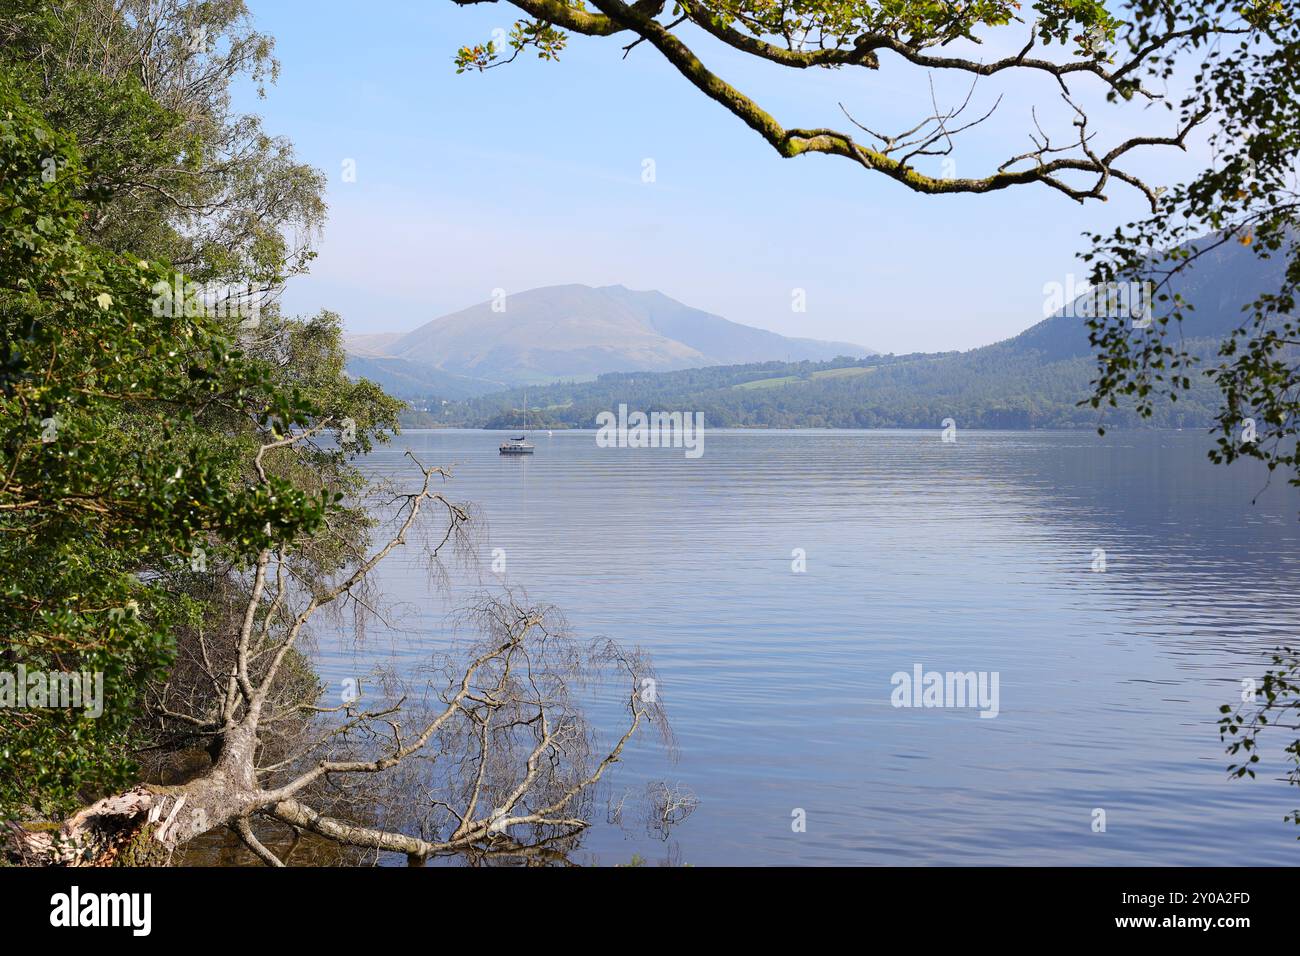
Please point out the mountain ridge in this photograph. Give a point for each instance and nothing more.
(571, 332)
(1035, 379)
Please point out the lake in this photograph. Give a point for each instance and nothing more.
(980, 555)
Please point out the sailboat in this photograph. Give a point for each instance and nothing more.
(517, 446)
(520, 445)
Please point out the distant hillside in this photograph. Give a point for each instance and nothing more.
(994, 387)
(1033, 380)
(574, 332)
(369, 344)
(409, 380)
(721, 342)
(1217, 286)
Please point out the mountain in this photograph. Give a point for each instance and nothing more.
(1216, 285)
(571, 332)
(1033, 380)
(720, 342)
(369, 344)
(413, 380)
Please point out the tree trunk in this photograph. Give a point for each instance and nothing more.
(144, 825)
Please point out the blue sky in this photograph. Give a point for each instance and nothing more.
(531, 175)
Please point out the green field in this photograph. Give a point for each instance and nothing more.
(769, 382)
(849, 372)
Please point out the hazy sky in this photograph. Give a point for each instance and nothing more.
(531, 175)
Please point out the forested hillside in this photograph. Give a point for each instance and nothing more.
(1001, 386)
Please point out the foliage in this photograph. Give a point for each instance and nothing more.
(1248, 197)
(173, 172)
(1250, 87)
(82, 513)
(131, 417)
(1278, 695)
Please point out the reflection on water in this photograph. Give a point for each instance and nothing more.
(974, 556)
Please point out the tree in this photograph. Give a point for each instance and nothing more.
(1251, 87)
(85, 355)
(503, 746)
(1276, 696)
(172, 171)
(149, 229)
(177, 500)
(82, 513)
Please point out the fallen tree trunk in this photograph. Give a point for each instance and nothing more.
(522, 754)
(144, 825)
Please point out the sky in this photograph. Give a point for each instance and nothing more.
(532, 175)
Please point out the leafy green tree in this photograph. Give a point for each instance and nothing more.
(176, 458)
(172, 170)
(82, 512)
(1249, 85)
(150, 168)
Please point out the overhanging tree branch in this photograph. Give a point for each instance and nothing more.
(856, 34)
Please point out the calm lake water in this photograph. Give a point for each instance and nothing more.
(973, 556)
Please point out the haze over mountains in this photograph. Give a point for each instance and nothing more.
(567, 332)
(1033, 380)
